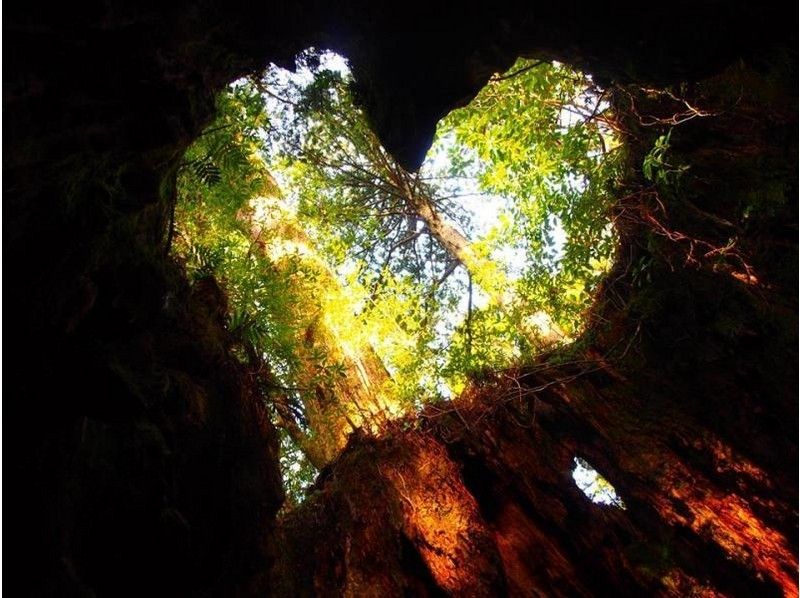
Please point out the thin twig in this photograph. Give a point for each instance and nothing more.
(519, 71)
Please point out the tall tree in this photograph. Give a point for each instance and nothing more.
(411, 222)
(339, 380)
(364, 207)
(676, 401)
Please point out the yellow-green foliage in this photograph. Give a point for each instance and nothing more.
(536, 141)
(541, 139)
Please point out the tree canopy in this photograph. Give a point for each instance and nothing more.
(396, 283)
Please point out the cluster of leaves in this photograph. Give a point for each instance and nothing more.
(535, 141)
(349, 190)
(540, 138)
(221, 173)
(656, 167)
(347, 186)
(298, 473)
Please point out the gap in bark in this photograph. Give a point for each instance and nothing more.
(594, 486)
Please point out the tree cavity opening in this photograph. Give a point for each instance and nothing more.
(359, 292)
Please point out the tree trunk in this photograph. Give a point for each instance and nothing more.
(136, 461)
(480, 501)
(358, 392)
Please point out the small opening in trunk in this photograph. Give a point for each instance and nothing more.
(594, 486)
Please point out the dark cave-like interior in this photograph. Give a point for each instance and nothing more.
(139, 456)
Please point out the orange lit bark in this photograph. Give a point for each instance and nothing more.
(482, 496)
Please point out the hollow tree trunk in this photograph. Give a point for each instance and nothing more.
(479, 501)
(99, 101)
(685, 401)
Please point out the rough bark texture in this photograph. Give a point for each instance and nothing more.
(137, 461)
